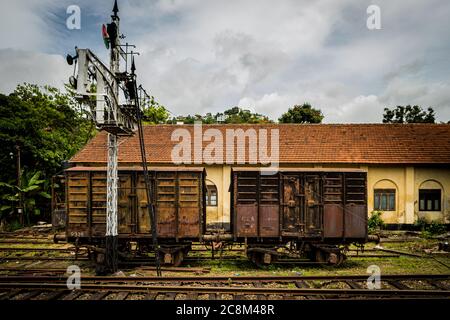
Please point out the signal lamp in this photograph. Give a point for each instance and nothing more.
(71, 59)
(73, 82)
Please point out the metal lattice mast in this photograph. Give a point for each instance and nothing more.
(112, 169)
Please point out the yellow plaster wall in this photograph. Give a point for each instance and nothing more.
(220, 176)
(388, 178)
(433, 178)
(407, 181)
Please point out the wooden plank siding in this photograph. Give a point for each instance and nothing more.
(178, 200)
(295, 204)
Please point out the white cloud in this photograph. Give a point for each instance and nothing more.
(23, 24)
(359, 109)
(355, 110)
(270, 104)
(416, 92)
(204, 56)
(19, 66)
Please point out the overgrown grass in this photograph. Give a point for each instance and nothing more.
(393, 265)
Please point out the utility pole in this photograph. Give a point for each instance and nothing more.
(19, 177)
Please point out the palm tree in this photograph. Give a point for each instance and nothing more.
(30, 188)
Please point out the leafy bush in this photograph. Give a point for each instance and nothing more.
(421, 224)
(375, 221)
(429, 229)
(436, 228)
(13, 226)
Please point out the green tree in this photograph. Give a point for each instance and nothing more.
(408, 114)
(234, 115)
(48, 127)
(155, 113)
(209, 118)
(302, 114)
(46, 124)
(239, 115)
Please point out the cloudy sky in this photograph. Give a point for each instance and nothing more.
(201, 56)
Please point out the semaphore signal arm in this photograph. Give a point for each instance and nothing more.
(107, 113)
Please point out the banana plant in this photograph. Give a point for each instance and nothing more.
(29, 190)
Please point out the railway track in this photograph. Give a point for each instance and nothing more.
(228, 288)
(28, 249)
(33, 271)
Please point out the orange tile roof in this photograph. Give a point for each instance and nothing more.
(304, 143)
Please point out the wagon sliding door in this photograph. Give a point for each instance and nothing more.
(166, 203)
(333, 208)
(269, 210)
(293, 205)
(256, 204)
(178, 204)
(125, 204)
(189, 204)
(246, 205)
(98, 203)
(355, 205)
(301, 203)
(313, 205)
(142, 216)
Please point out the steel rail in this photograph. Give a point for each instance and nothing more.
(58, 258)
(391, 277)
(231, 290)
(40, 249)
(62, 271)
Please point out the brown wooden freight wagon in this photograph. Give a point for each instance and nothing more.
(317, 209)
(178, 194)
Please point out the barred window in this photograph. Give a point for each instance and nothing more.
(384, 199)
(429, 200)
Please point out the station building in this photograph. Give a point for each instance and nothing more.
(407, 165)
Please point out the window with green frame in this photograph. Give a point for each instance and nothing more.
(384, 199)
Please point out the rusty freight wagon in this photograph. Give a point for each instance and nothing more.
(178, 198)
(316, 212)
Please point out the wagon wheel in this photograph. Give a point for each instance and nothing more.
(320, 256)
(178, 258)
(341, 258)
(100, 268)
(257, 258)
